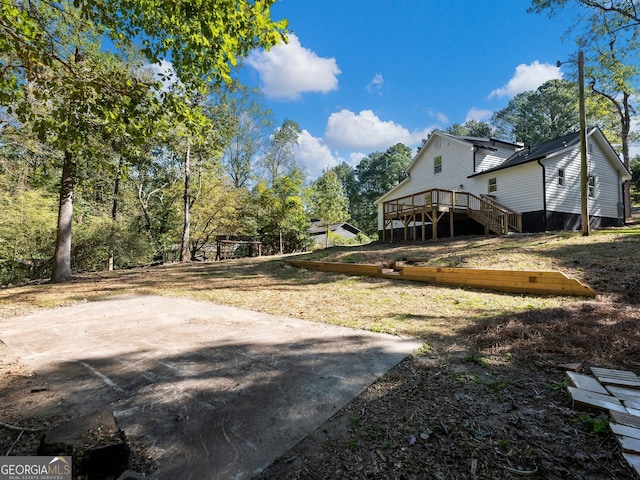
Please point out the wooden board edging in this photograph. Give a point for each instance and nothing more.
(511, 281)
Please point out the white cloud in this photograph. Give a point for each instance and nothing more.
(355, 158)
(288, 70)
(478, 114)
(164, 73)
(375, 85)
(365, 131)
(440, 117)
(527, 77)
(314, 155)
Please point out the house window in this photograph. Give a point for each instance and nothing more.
(493, 185)
(437, 165)
(592, 186)
(561, 177)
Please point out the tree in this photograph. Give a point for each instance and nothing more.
(347, 177)
(608, 34)
(375, 175)
(328, 201)
(471, 128)
(282, 222)
(60, 37)
(627, 9)
(538, 116)
(215, 212)
(280, 157)
(635, 179)
(250, 122)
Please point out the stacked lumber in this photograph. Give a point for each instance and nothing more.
(616, 392)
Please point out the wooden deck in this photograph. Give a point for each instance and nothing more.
(512, 281)
(432, 206)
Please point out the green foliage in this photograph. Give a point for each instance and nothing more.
(283, 225)
(27, 233)
(97, 235)
(535, 117)
(635, 179)
(375, 175)
(597, 425)
(471, 128)
(328, 202)
(279, 159)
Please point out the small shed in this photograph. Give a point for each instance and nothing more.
(318, 231)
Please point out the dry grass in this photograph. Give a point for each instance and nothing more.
(607, 262)
(482, 397)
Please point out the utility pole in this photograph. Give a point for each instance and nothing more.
(584, 177)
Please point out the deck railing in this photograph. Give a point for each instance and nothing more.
(483, 209)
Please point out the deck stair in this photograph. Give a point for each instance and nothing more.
(432, 205)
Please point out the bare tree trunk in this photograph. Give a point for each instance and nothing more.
(114, 212)
(62, 257)
(185, 251)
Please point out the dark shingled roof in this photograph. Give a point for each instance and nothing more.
(537, 152)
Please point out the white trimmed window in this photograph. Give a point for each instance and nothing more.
(437, 165)
(592, 186)
(561, 177)
(493, 185)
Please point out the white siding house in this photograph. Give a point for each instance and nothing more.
(538, 188)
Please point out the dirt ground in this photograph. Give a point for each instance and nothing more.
(487, 400)
(461, 414)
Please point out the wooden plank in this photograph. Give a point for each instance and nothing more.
(625, 430)
(631, 405)
(633, 460)
(624, 393)
(612, 373)
(625, 419)
(616, 377)
(586, 400)
(586, 382)
(490, 278)
(513, 281)
(629, 444)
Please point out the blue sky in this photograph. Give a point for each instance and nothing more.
(361, 75)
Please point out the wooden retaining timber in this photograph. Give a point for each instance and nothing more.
(511, 281)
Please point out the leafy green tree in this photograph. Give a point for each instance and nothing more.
(250, 122)
(627, 9)
(216, 211)
(608, 34)
(471, 128)
(635, 179)
(53, 46)
(26, 232)
(376, 174)
(283, 225)
(347, 177)
(280, 157)
(328, 201)
(538, 116)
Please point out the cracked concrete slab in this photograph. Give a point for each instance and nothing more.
(214, 391)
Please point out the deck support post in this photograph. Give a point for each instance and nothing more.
(451, 222)
(434, 224)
